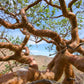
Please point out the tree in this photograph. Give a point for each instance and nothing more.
(26, 15)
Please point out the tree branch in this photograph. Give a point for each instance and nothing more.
(81, 51)
(69, 74)
(56, 17)
(77, 47)
(25, 41)
(23, 10)
(12, 14)
(49, 41)
(20, 58)
(64, 8)
(38, 41)
(31, 5)
(24, 31)
(9, 25)
(71, 3)
(17, 50)
(73, 21)
(9, 46)
(75, 60)
(81, 40)
(57, 66)
(31, 29)
(26, 51)
(7, 58)
(5, 39)
(53, 5)
(44, 33)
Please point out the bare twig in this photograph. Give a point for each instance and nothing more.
(49, 41)
(79, 12)
(12, 14)
(5, 39)
(76, 47)
(53, 5)
(52, 54)
(24, 31)
(31, 5)
(56, 17)
(38, 41)
(69, 47)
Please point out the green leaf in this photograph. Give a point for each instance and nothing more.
(43, 26)
(38, 24)
(57, 10)
(40, 10)
(7, 2)
(26, 1)
(47, 10)
(14, 2)
(19, 1)
(81, 20)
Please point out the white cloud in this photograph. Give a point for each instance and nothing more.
(34, 51)
(32, 39)
(37, 52)
(33, 43)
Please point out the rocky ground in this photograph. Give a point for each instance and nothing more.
(42, 62)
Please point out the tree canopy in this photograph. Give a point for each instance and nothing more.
(54, 21)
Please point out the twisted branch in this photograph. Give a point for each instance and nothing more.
(71, 3)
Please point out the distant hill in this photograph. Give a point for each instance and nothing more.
(42, 62)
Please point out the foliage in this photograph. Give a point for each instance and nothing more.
(43, 16)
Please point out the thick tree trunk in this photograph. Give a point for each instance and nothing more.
(69, 75)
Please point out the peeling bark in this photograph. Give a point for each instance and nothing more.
(69, 75)
(64, 59)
